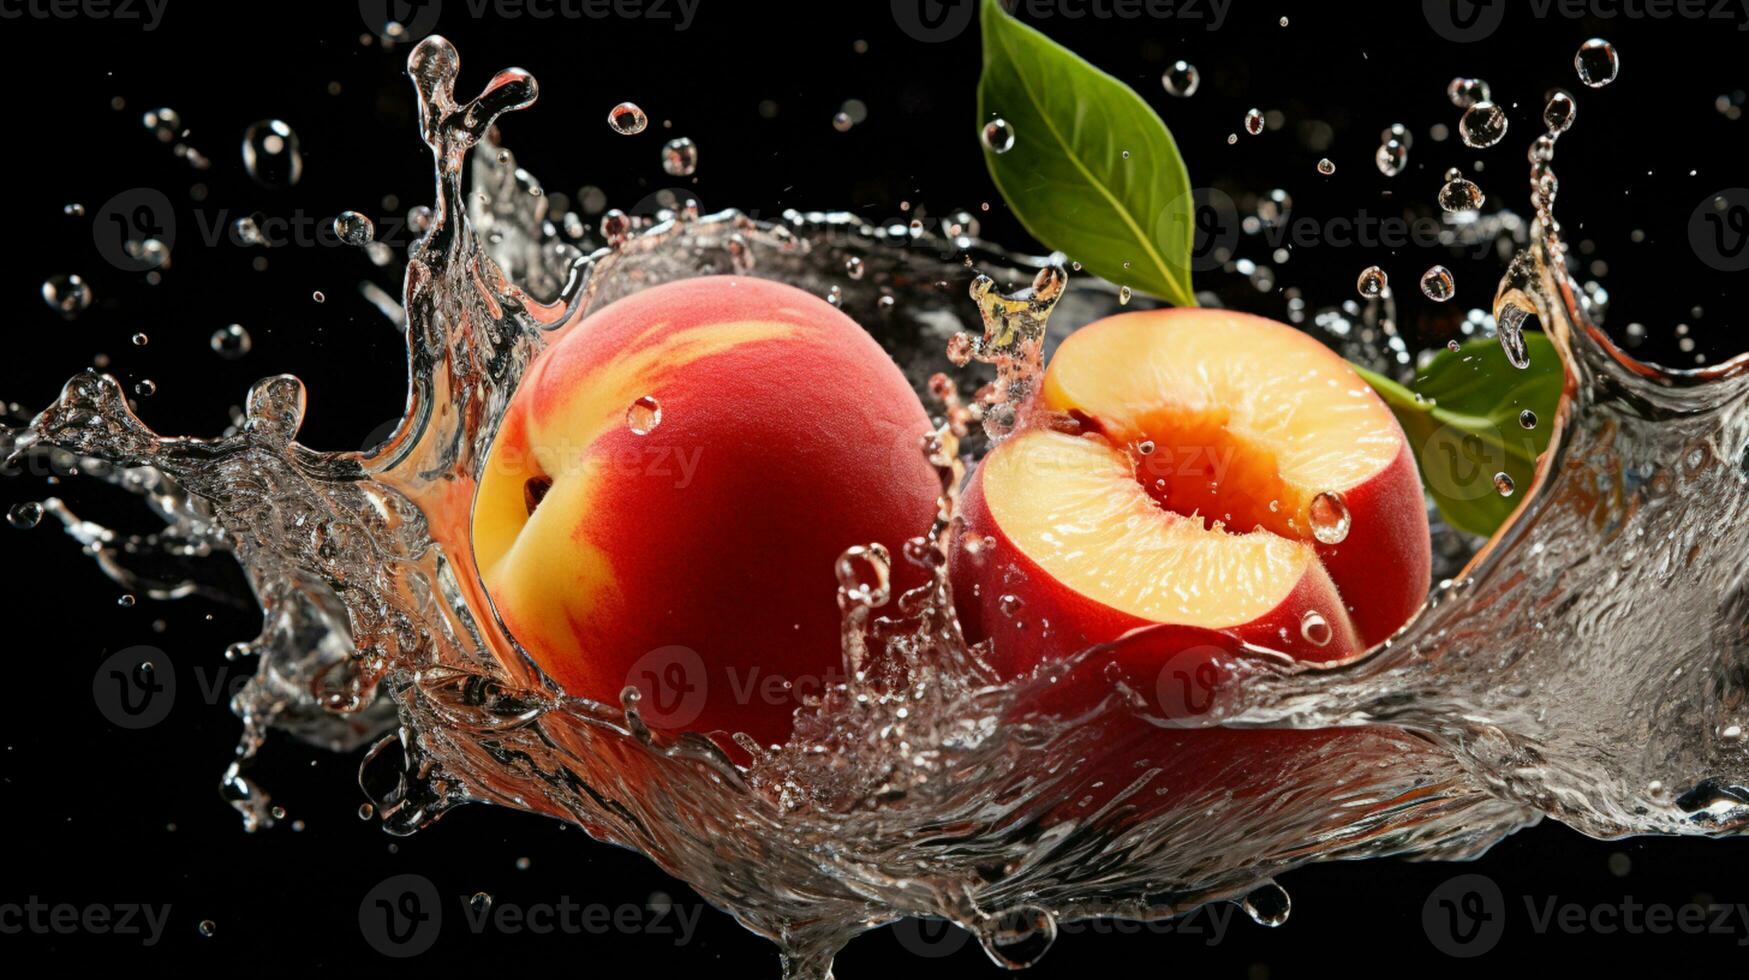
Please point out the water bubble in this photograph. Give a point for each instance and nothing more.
(1527, 418)
(679, 157)
(1437, 284)
(68, 295)
(1483, 125)
(1254, 121)
(1315, 629)
(1504, 485)
(1268, 905)
(1326, 166)
(165, 123)
(1466, 92)
(1392, 157)
(998, 136)
(26, 515)
(271, 155)
(1330, 519)
(1559, 112)
(1597, 62)
(1459, 194)
(354, 228)
(627, 119)
(1181, 79)
(231, 342)
(644, 415)
(1372, 282)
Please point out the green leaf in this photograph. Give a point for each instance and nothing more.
(1125, 219)
(1461, 415)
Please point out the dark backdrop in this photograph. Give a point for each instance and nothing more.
(97, 816)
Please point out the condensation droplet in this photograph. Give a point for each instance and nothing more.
(1437, 284)
(354, 229)
(1503, 483)
(231, 342)
(1483, 125)
(679, 157)
(998, 136)
(1181, 79)
(1330, 518)
(271, 154)
(1597, 62)
(1372, 282)
(627, 119)
(1527, 418)
(644, 415)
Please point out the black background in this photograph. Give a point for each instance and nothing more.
(97, 815)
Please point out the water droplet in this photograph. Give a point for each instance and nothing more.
(998, 136)
(1372, 282)
(319, 296)
(146, 388)
(1123, 295)
(1181, 79)
(1330, 518)
(1019, 937)
(1146, 447)
(246, 232)
(1315, 629)
(1010, 605)
(842, 122)
(1437, 284)
(366, 811)
(644, 415)
(74, 210)
(1597, 62)
(231, 342)
(1254, 121)
(1527, 418)
(1326, 166)
(1466, 92)
(208, 927)
(481, 901)
(127, 601)
(1268, 905)
(26, 515)
(68, 295)
(1503, 483)
(141, 340)
(165, 123)
(354, 229)
(271, 154)
(1559, 112)
(1483, 125)
(1460, 194)
(854, 268)
(835, 296)
(1398, 132)
(627, 119)
(679, 157)
(1392, 157)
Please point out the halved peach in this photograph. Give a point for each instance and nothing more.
(1229, 474)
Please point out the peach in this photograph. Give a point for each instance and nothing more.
(672, 485)
(1210, 479)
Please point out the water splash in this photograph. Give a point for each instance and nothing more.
(921, 785)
